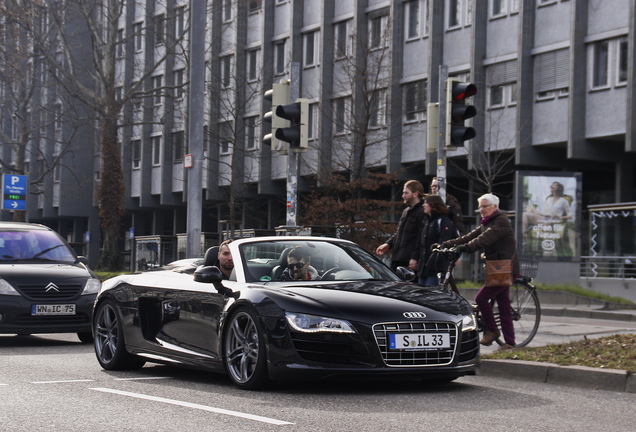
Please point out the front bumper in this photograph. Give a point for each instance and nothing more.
(16, 316)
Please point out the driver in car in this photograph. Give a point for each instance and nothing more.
(299, 266)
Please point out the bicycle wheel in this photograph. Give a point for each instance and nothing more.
(526, 313)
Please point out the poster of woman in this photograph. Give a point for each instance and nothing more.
(549, 206)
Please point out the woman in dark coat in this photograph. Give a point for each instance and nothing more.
(436, 228)
(495, 236)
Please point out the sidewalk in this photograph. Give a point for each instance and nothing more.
(585, 318)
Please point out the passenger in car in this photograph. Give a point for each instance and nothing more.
(226, 263)
(299, 266)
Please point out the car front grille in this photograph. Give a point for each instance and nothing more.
(403, 358)
(48, 292)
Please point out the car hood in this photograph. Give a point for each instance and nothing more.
(383, 299)
(16, 272)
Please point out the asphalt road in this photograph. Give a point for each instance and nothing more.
(54, 383)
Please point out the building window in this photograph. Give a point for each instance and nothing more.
(58, 117)
(501, 81)
(159, 22)
(341, 36)
(377, 31)
(415, 101)
(179, 88)
(226, 71)
(412, 19)
(227, 10)
(252, 64)
(250, 133)
(312, 121)
(551, 73)
(279, 57)
(340, 117)
(255, 5)
(621, 77)
(157, 83)
(460, 13)
(178, 146)
(138, 35)
(310, 48)
(156, 150)
(377, 108)
(600, 76)
(121, 44)
(136, 153)
(179, 21)
(499, 8)
(225, 138)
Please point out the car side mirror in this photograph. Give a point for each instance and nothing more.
(208, 274)
(405, 273)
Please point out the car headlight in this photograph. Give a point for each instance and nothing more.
(313, 324)
(469, 323)
(7, 289)
(92, 286)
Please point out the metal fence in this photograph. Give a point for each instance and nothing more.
(614, 267)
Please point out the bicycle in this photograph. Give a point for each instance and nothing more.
(526, 309)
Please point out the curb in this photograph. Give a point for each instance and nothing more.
(550, 373)
(589, 313)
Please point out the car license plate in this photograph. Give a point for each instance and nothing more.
(53, 309)
(419, 341)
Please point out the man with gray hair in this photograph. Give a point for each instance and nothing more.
(495, 236)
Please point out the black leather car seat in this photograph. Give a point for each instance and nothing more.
(211, 257)
(282, 264)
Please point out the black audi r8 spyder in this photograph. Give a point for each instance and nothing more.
(344, 314)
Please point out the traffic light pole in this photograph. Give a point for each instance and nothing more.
(441, 136)
(292, 156)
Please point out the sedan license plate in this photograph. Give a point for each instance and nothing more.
(53, 309)
(419, 341)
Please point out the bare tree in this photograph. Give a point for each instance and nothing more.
(32, 115)
(88, 37)
(491, 164)
(349, 194)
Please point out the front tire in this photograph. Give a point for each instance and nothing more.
(110, 347)
(244, 351)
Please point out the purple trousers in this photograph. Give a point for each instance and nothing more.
(502, 296)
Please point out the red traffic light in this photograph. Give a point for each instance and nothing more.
(463, 90)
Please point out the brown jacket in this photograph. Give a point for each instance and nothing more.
(496, 238)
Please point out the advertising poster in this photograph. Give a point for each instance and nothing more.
(549, 204)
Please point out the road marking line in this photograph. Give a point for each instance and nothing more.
(62, 381)
(141, 378)
(195, 406)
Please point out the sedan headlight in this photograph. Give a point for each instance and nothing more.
(92, 286)
(7, 289)
(469, 323)
(313, 324)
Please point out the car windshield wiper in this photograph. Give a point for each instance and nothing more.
(37, 255)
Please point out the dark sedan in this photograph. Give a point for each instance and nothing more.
(44, 286)
(293, 308)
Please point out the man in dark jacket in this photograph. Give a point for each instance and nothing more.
(495, 236)
(403, 244)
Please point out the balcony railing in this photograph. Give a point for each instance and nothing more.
(613, 267)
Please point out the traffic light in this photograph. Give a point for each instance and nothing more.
(457, 112)
(279, 95)
(296, 134)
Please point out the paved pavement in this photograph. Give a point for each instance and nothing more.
(571, 318)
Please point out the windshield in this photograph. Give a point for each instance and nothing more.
(304, 260)
(34, 245)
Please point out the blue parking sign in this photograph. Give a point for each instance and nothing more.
(14, 190)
